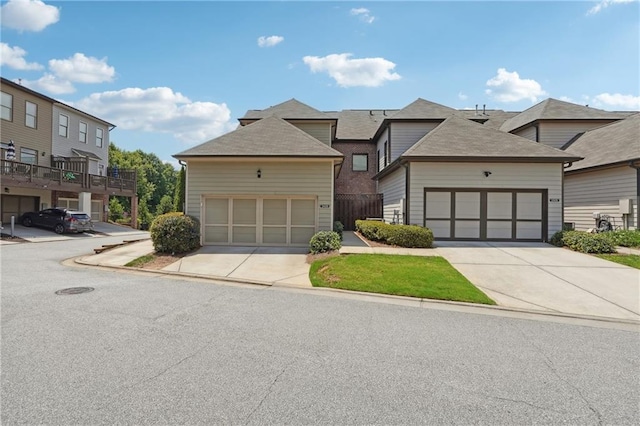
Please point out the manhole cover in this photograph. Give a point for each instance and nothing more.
(74, 290)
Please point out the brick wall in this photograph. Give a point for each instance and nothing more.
(350, 182)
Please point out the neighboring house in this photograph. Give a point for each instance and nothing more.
(607, 181)
(61, 157)
(266, 183)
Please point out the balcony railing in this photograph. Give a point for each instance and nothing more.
(65, 179)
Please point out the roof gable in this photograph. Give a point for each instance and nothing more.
(459, 137)
(271, 136)
(553, 109)
(421, 109)
(614, 143)
(289, 110)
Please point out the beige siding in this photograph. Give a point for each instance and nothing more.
(527, 133)
(405, 135)
(27, 137)
(556, 134)
(600, 191)
(314, 178)
(470, 175)
(384, 137)
(393, 187)
(320, 131)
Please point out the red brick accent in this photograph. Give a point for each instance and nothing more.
(350, 182)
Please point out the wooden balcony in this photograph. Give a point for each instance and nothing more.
(27, 175)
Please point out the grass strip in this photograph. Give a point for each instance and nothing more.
(429, 277)
(632, 260)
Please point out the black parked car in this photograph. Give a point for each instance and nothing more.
(58, 219)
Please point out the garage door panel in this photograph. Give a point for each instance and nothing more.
(440, 228)
(499, 230)
(274, 235)
(529, 206)
(216, 234)
(467, 229)
(499, 205)
(438, 204)
(244, 212)
(467, 205)
(217, 210)
(528, 230)
(274, 212)
(303, 212)
(301, 235)
(244, 234)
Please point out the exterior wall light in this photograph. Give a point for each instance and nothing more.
(486, 173)
(259, 173)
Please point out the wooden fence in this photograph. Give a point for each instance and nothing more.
(352, 207)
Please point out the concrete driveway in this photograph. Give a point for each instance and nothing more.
(266, 265)
(544, 277)
(39, 235)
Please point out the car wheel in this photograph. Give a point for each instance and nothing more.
(27, 221)
(59, 228)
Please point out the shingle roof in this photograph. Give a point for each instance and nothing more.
(271, 136)
(553, 109)
(493, 118)
(291, 109)
(360, 124)
(459, 137)
(424, 110)
(614, 143)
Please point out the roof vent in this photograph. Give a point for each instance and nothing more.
(384, 112)
(476, 109)
(370, 112)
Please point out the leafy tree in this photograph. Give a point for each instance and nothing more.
(179, 197)
(165, 206)
(116, 211)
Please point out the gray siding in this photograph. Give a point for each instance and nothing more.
(405, 135)
(320, 131)
(62, 146)
(384, 137)
(503, 175)
(527, 133)
(600, 191)
(393, 188)
(556, 134)
(313, 178)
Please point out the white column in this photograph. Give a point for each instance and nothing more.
(84, 202)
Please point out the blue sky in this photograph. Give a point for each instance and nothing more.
(173, 74)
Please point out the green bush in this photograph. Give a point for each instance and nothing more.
(124, 221)
(338, 227)
(624, 238)
(324, 241)
(586, 242)
(409, 236)
(373, 230)
(556, 239)
(175, 233)
(116, 211)
(397, 235)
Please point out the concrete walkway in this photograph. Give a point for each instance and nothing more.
(530, 277)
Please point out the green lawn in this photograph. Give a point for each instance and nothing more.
(632, 260)
(141, 260)
(416, 276)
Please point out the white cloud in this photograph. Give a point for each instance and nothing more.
(269, 41)
(603, 4)
(28, 15)
(13, 57)
(566, 99)
(160, 109)
(82, 69)
(368, 72)
(51, 84)
(462, 96)
(509, 87)
(617, 100)
(364, 14)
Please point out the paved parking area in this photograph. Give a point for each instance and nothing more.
(544, 277)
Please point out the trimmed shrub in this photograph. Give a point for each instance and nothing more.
(324, 241)
(175, 233)
(373, 230)
(556, 239)
(624, 238)
(585, 242)
(338, 227)
(124, 221)
(409, 236)
(116, 211)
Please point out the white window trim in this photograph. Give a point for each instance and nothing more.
(27, 115)
(101, 138)
(9, 107)
(66, 127)
(86, 132)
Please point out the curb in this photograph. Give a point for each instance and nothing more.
(404, 300)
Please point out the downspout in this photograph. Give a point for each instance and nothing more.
(636, 220)
(405, 215)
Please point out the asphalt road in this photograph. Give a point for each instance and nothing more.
(147, 349)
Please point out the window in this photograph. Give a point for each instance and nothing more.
(99, 136)
(7, 106)
(360, 162)
(83, 132)
(378, 160)
(63, 125)
(28, 156)
(386, 154)
(31, 116)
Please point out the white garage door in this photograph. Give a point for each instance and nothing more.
(276, 221)
(474, 214)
